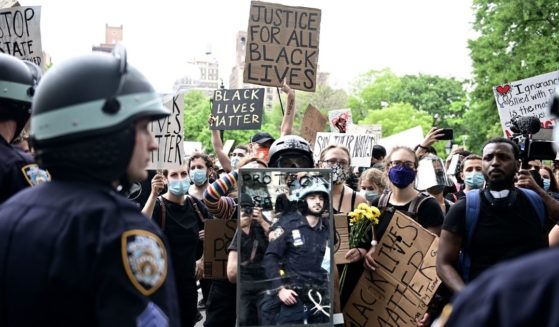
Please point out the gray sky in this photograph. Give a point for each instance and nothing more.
(409, 36)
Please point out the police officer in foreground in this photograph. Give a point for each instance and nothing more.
(18, 80)
(74, 252)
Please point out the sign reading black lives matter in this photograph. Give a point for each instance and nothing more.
(282, 43)
(20, 33)
(168, 133)
(238, 109)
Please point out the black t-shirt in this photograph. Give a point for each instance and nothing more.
(429, 214)
(182, 225)
(502, 232)
(253, 248)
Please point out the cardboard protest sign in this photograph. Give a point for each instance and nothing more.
(192, 146)
(169, 134)
(313, 122)
(292, 236)
(375, 130)
(340, 120)
(20, 33)
(218, 236)
(282, 43)
(527, 97)
(237, 109)
(360, 146)
(342, 234)
(401, 288)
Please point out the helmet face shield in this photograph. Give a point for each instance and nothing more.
(430, 173)
(293, 160)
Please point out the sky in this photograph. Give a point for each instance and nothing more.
(408, 36)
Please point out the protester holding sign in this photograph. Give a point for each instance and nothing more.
(401, 169)
(17, 169)
(344, 200)
(181, 218)
(74, 251)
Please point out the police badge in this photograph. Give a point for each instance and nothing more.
(35, 175)
(145, 260)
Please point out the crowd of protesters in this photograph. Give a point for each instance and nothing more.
(75, 251)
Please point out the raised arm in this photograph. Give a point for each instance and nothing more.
(289, 116)
(217, 144)
(218, 204)
(157, 185)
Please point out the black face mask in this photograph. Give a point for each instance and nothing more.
(293, 161)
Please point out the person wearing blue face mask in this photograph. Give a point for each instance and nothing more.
(470, 172)
(181, 218)
(372, 184)
(199, 167)
(401, 168)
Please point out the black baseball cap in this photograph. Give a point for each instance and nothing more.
(261, 138)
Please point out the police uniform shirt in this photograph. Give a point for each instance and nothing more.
(502, 232)
(300, 248)
(76, 254)
(17, 170)
(521, 292)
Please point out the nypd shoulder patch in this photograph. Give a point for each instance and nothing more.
(152, 316)
(35, 175)
(145, 260)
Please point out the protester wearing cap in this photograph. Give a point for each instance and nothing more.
(259, 145)
(18, 80)
(74, 251)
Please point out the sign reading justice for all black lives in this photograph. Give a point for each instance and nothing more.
(237, 109)
(282, 43)
(20, 33)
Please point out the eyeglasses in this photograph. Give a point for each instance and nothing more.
(240, 155)
(409, 164)
(333, 162)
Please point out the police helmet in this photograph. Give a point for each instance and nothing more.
(84, 115)
(313, 185)
(290, 151)
(18, 79)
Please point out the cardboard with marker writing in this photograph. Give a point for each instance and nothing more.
(313, 122)
(342, 234)
(218, 236)
(237, 109)
(282, 43)
(20, 33)
(169, 135)
(401, 288)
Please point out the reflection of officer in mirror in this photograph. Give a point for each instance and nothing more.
(293, 259)
(75, 252)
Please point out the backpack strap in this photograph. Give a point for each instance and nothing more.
(383, 200)
(537, 203)
(195, 206)
(473, 205)
(163, 211)
(415, 203)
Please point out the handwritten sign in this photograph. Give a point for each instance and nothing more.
(527, 97)
(218, 236)
(20, 33)
(282, 43)
(375, 130)
(340, 120)
(401, 288)
(313, 122)
(360, 146)
(237, 109)
(168, 133)
(342, 233)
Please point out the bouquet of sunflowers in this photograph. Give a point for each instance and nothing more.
(359, 220)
